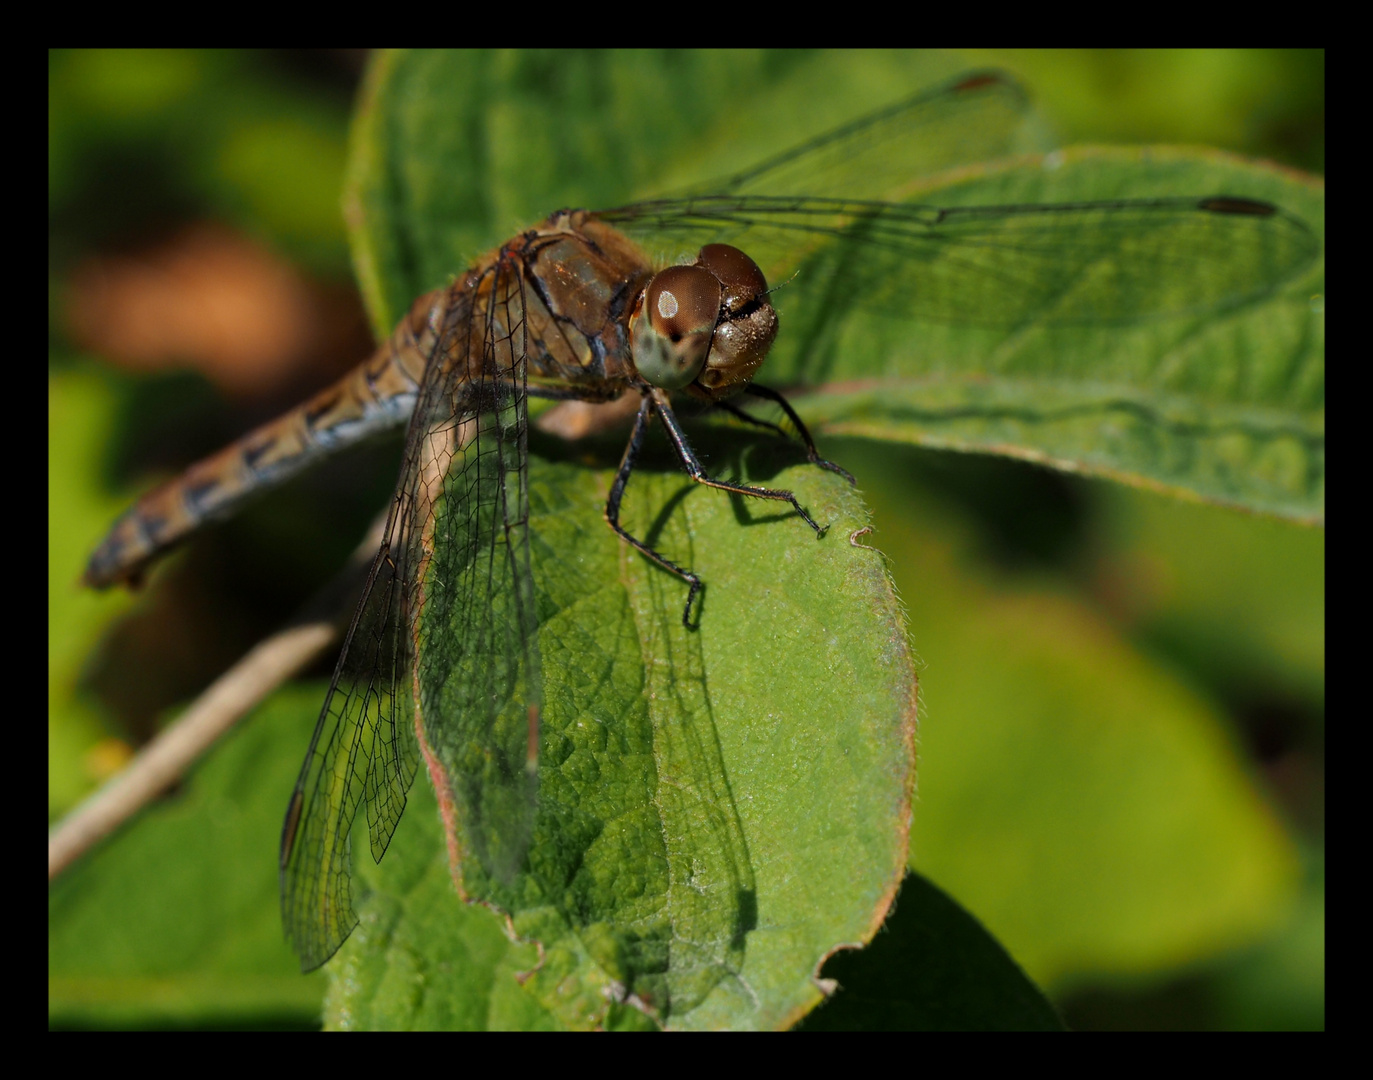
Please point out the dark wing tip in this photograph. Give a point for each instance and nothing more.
(981, 80)
(1231, 204)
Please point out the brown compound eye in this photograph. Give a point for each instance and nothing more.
(683, 300)
(739, 275)
(682, 304)
(747, 326)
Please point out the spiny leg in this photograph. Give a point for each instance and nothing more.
(657, 401)
(698, 473)
(617, 490)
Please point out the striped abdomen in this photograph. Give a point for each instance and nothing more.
(377, 395)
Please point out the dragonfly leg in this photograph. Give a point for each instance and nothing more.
(617, 491)
(698, 472)
(812, 454)
(657, 402)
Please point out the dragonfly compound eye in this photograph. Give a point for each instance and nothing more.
(748, 323)
(672, 335)
(739, 276)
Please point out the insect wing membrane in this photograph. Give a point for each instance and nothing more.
(449, 609)
(819, 211)
(478, 667)
(973, 118)
(1060, 263)
(363, 748)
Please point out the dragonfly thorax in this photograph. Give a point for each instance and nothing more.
(706, 327)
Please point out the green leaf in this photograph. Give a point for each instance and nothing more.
(1223, 405)
(174, 921)
(719, 807)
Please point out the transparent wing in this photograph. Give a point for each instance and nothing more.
(363, 749)
(1087, 262)
(974, 118)
(480, 684)
(442, 648)
(832, 209)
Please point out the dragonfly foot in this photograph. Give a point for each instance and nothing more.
(832, 467)
(804, 516)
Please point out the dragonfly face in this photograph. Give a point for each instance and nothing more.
(704, 328)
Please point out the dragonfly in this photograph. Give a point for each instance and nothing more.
(573, 309)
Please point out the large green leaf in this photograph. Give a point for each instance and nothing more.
(718, 807)
(1224, 405)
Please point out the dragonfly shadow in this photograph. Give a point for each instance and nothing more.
(736, 455)
(754, 458)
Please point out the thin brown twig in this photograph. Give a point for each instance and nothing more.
(166, 758)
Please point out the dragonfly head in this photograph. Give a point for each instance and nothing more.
(705, 327)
